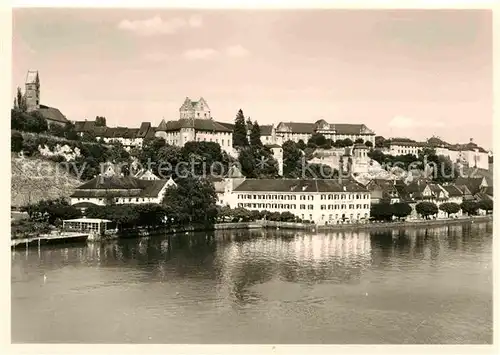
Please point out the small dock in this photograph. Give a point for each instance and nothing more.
(47, 238)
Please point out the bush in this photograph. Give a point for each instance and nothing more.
(469, 207)
(426, 209)
(401, 209)
(449, 208)
(16, 142)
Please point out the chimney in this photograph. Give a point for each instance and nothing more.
(344, 188)
(472, 140)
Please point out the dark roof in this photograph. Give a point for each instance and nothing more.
(465, 190)
(266, 130)
(85, 126)
(300, 185)
(453, 190)
(488, 190)
(143, 130)
(197, 124)
(119, 186)
(472, 183)
(162, 126)
(151, 133)
(298, 127)
(436, 142)
(52, 114)
(227, 125)
(348, 128)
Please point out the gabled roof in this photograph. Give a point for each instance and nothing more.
(351, 129)
(453, 190)
(488, 190)
(52, 114)
(143, 130)
(300, 185)
(266, 130)
(296, 127)
(472, 183)
(119, 186)
(162, 126)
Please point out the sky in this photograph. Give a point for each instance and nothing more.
(411, 73)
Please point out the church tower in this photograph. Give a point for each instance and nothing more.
(32, 91)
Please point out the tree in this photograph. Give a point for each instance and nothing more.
(382, 211)
(369, 144)
(16, 142)
(21, 101)
(255, 135)
(292, 160)
(100, 121)
(240, 139)
(401, 209)
(380, 142)
(348, 142)
(449, 208)
(316, 140)
(426, 209)
(301, 145)
(377, 155)
(469, 207)
(193, 200)
(359, 141)
(485, 205)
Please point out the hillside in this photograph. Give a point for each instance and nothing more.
(35, 179)
(488, 174)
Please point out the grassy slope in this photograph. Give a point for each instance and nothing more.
(34, 179)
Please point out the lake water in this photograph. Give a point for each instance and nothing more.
(429, 285)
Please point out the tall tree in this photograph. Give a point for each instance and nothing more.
(255, 135)
(21, 102)
(100, 121)
(240, 139)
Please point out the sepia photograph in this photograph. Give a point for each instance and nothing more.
(251, 176)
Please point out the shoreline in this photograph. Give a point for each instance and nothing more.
(138, 233)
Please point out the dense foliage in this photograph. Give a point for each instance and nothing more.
(449, 208)
(52, 211)
(240, 139)
(469, 207)
(426, 209)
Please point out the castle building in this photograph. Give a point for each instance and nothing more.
(32, 100)
(196, 124)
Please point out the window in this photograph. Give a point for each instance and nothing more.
(322, 207)
(310, 207)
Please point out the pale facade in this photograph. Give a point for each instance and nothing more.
(196, 125)
(296, 131)
(319, 201)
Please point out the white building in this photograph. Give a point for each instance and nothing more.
(321, 201)
(296, 131)
(105, 190)
(196, 125)
(469, 154)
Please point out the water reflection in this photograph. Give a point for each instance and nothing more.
(316, 287)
